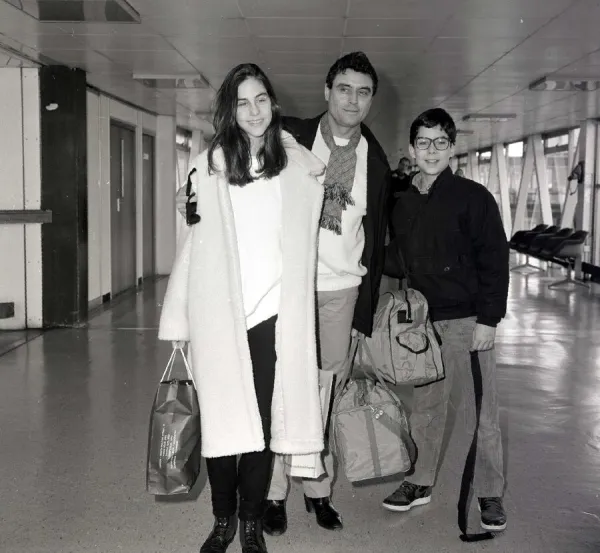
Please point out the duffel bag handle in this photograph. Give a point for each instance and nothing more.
(415, 351)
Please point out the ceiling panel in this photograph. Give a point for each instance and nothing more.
(173, 26)
(294, 57)
(314, 69)
(413, 9)
(187, 9)
(296, 27)
(288, 44)
(397, 44)
(392, 27)
(492, 28)
(300, 8)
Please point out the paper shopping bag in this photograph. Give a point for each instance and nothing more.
(174, 440)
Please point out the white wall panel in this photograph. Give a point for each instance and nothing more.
(32, 189)
(165, 215)
(12, 237)
(20, 245)
(94, 198)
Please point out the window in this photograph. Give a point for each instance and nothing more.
(514, 158)
(484, 159)
(183, 139)
(559, 141)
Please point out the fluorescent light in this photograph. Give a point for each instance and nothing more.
(181, 82)
(565, 84)
(489, 117)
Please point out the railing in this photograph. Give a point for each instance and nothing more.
(25, 216)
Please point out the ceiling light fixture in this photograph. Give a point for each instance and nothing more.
(78, 11)
(565, 84)
(170, 82)
(489, 117)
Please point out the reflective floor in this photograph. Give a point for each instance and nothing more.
(74, 407)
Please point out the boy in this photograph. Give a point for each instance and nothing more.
(449, 233)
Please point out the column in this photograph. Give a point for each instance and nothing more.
(64, 191)
(165, 188)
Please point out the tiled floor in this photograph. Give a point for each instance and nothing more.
(74, 407)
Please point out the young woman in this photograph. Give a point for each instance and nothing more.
(242, 293)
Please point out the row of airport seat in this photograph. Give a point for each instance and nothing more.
(552, 245)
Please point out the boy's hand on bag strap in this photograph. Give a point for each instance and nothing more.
(483, 338)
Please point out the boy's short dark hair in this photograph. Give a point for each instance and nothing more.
(357, 61)
(433, 118)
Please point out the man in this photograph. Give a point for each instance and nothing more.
(450, 237)
(351, 246)
(401, 177)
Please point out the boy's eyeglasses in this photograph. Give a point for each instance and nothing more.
(440, 143)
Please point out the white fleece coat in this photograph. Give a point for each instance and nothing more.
(203, 305)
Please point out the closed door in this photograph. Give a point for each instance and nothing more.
(148, 198)
(122, 185)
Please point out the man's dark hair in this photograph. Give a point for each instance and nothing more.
(357, 61)
(235, 143)
(433, 118)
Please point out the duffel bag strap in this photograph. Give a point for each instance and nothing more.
(394, 426)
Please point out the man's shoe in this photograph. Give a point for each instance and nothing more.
(251, 536)
(221, 536)
(493, 515)
(327, 516)
(407, 496)
(274, 517)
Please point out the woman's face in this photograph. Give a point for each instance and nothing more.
(254, 111)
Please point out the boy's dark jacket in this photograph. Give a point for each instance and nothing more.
(374, 222)
(455, 248)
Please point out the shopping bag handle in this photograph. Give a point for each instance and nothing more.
(171, 363)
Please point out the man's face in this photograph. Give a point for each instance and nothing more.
(404, 166)
(432, 150)
(350, 98)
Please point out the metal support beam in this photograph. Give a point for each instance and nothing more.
(526, 176)
(502, 171)
(595, 250)
(542, 180)
(585, 192)
(568, 210)
(472, 171)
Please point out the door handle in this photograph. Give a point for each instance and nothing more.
(122, 169)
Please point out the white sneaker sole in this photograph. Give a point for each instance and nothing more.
(491, 528)
(404, 508)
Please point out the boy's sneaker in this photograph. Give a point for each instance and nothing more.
(493, 515)
(407, 496)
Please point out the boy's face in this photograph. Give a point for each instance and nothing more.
(432, 150)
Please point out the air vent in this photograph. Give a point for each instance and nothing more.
(78, 11)
(166, 82)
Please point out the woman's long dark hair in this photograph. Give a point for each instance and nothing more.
(235, 143)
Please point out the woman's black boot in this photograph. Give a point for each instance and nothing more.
(221, 536)
(251, 536)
